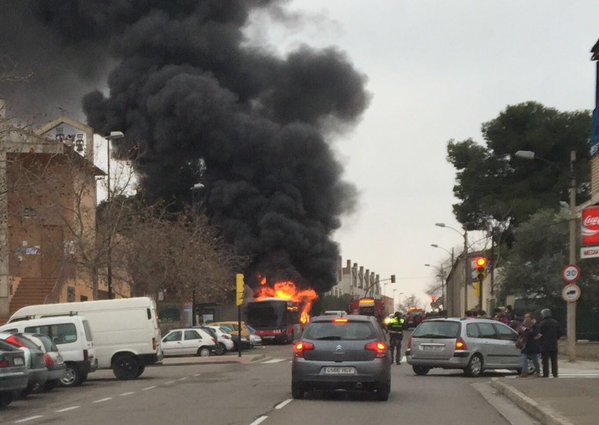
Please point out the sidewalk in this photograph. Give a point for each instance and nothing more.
(570, 399)
(226, 359)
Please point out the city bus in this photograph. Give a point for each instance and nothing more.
(275, 320)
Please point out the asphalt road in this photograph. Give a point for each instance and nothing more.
(250, 394)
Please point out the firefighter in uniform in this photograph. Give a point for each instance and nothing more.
(395, 329)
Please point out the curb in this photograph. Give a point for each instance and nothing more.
(545, 414)
(216, 360)
(258, 357)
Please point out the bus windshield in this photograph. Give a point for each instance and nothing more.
(264, 314)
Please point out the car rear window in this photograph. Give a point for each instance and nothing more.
(434, 329)
(47, 342)
(338, 331)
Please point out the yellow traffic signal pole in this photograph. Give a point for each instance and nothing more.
(480, 290)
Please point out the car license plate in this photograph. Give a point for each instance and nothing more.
(339, 370)
(19, 361)
(431, 348)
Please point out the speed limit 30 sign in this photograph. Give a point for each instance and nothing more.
(571, 273)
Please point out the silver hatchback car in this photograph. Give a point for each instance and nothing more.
(472, 345)
(342, 352)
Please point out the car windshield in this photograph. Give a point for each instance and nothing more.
(437, 329)
(337, 331)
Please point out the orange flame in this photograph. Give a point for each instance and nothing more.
(287, 291)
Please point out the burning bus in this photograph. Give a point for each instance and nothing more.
(278, 313)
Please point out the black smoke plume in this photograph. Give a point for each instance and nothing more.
(198, 104)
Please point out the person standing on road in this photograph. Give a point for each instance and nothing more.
(528, 343)
(550, 331)
(395, 328)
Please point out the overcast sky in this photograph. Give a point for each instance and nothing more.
(437, 69)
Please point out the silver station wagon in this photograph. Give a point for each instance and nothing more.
(473, 345)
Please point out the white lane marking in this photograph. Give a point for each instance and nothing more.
(127, 393)
(259, 420)
(66, 409)
(102, 400)
(169, 382)
(182, 379)
(197, 374)
(273, 361)
(283, 403)
(149, 388)
(30, 418)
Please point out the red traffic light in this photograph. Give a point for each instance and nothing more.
(480, 263)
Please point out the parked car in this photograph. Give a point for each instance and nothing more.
(13, 373)
(232, 327)
(224, 340)
(346, 352)
(37, 373)
(72, 335)
(54, 361)
(472, 345)
(188, 341)
(255, 339)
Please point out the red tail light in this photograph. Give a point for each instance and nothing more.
(14, 341)
(85, 355)
(460, 344)
(340, 321)
(301, 347)
(153, 343)
(48, 360)
(380, 348)
(409, 343)
(4, 363)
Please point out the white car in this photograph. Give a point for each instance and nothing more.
(224, 340)
(255, 339)
(188, 341)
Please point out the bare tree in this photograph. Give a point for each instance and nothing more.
(175, 257)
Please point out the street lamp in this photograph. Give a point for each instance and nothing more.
(466, 262)
(441, 276)
(114, 135)
(434, 245)
(571, 306)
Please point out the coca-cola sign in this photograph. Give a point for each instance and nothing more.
(590, 226)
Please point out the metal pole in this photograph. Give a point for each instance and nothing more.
(480, 292)
(571, 306)
(239, 334)
(466, 277)
(443, 291)
(194, 320)
(109, 265)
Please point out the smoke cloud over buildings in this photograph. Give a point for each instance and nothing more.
(198, 104)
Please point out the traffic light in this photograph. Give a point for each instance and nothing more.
(480, 263)
(240, 288)
(392, 278)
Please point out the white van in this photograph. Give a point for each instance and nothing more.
(72, 335)
(125, 331)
